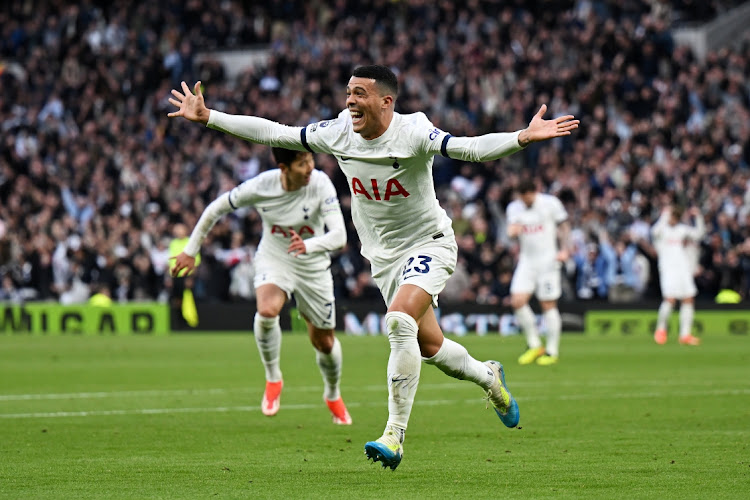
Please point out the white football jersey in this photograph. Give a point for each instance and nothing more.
(304, 211)
(538, 238)
(394, 206)
(672, 245)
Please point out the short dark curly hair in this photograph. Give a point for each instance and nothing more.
(526, 185)
(285, 156)
(384, 78)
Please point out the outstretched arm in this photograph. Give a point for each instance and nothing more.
(658, 228)
(699, 229)
(497, 145)
(191, 106)
(540, 129)
(213, 212)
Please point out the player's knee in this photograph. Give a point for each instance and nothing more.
(400, 327)
(517, 301)
(548, 305)
(266, 321)
(322, 339)
(268, 310)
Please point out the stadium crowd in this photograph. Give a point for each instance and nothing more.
(93, 183)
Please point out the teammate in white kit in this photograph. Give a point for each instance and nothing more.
(538, 220)
(676, 270)
(295, 203)
(387, 158)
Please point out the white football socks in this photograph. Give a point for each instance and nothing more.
(454, 360)
(268, 340)
(687, 312)
(527, 322)
(330, 369)
(554, 326)
(404, 365)
(665, 309)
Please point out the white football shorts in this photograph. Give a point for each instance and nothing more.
(541, 280)
(313, 290)
(427, 266)
(677, 285)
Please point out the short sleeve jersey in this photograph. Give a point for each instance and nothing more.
(281, 211)
(538, 238)
(394, 206)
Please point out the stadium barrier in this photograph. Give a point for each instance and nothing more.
(706, 322)
(589, 318)
(49, 318)
(355, 318)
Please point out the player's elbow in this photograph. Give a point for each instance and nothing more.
(339, 239)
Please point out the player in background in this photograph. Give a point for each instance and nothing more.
(387, 158)
(539, 221)
(672, 241)
(295, 202)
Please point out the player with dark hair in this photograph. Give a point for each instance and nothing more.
(538, 220)
(296, 203)
(387, 158)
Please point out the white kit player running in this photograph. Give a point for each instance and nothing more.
(538, 220)
(671, 240)
(296, 203)
(387, 158)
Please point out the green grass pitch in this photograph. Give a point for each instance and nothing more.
(178, 417)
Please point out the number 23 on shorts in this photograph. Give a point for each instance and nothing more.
(421, 265)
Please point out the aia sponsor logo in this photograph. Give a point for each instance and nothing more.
(287, 232)
(375, 192)
(532, 228)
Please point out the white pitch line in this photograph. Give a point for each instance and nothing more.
(114, 394)
(159, 411)
(434, 402)
(373, 387)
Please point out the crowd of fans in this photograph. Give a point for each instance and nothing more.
(94, 177)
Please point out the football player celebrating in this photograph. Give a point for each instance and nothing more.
(676, 269)
(387, 158)
(295, 202)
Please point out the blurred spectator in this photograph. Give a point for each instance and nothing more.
(364, 288)
(591, 273)
(8, 291)
(628, 275)
(243, 275)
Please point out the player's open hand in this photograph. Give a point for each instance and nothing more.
(297, 246)
(191, 106)
(540, 129)
(182, 262)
